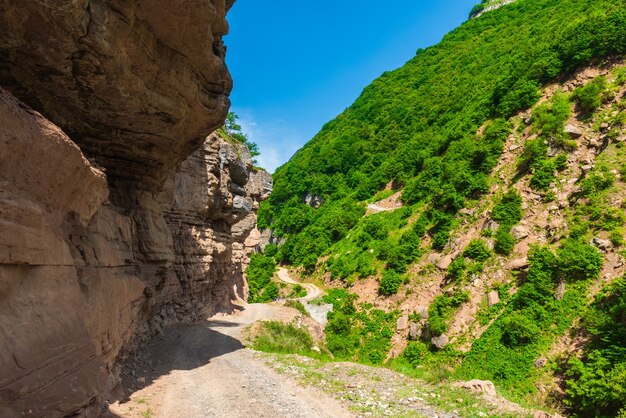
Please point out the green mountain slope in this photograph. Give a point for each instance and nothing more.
(416, 125)
(434, 131)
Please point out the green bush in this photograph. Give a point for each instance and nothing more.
(508, 211)
(390, 283)
(596, 382)
(590, 96)
(549, 118)
(578, 261)
(259, 274)
(617, 237)
(543, 175)
(270, 250)
(415, 352)
(456, 269)
(535, 150)
(442, 309)
(298, 291)
(477, 250)
(357, 334)
(596, 182)
(504, 242)
(519, 330)
(560, 162)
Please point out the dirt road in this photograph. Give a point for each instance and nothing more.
(203, 370)
(312, 290)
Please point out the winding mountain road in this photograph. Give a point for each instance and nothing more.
(312, 290)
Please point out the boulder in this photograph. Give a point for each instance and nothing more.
(491, 225)
(434, 258)
(493, 298)
(519, 232)
(445, 262)
(441, 341)
(602, 244)
(518, 264)
(402, 323)
(415, 331)
(478, 386)
(573, 131)
(540, 362)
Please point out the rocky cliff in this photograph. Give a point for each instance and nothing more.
(118, 214)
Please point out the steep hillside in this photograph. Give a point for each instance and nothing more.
(469, 203)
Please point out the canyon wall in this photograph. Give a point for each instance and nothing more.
(119, 213)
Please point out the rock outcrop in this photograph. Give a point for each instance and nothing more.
(136, 84)
(118, 214)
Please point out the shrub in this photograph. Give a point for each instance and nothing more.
(560, 162)
(589, 97)
(477, 250)
(534, 151)
(390, 282)
(543, 175)
(259, 274)
(442, 309)
(504, 242)
(519, 330)
(617, 237)
(298, 291)
(578, 261)
(596, 384)
(375, 228)
(550, 117)
(508, 211)
(405, 252)
(456, 269)
(415, 352)
(522, 95)
(270, 250)
(597, 181)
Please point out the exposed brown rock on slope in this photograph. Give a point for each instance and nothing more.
(88, 270)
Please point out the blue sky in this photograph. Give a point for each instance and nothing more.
(297, 64)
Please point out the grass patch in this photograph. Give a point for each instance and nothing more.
(277, 337)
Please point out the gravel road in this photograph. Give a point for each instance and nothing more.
(203, 370)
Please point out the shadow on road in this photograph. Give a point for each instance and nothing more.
(180, 347)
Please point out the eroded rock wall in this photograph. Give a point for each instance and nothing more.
(136, 84)
(118, 214)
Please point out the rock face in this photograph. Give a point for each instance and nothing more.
(118, 214)
(137, 85)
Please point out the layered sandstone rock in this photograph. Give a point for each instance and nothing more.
(77, 292)
(137, 84)
(117, 214)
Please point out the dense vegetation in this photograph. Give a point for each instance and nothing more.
(597, 384)
(416, 126)
(259, 274)
(358, 333)
(507, 351)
